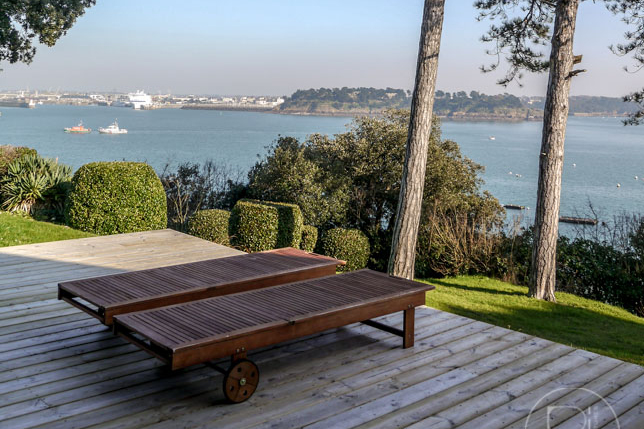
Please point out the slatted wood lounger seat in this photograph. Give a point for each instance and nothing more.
(104, 297)
(231, 325)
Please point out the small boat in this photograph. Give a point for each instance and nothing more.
(492, 138)
(78, 129)
(112, 129)
(514, 206)
(578, 220)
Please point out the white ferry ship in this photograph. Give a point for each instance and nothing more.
(140, 100)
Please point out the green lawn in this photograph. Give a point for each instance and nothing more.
(16, 229)
(574, 321)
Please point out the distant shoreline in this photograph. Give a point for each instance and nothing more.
(353, 113)
(457, 117)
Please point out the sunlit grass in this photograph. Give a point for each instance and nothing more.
(16, 229)
(574, 321)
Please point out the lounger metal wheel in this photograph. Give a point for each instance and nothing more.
(241, 380)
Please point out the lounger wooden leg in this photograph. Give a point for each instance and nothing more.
(408, 329)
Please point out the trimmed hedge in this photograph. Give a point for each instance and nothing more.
(350, 245)
(211, 225)
(116, 197)
(309, 238)
(263, 225)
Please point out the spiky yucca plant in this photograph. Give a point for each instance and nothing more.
(31, 180)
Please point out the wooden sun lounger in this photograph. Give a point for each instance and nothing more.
(231, 325)
(104, 297)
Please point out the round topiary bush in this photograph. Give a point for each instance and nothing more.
(211, 225)
(309, 238)
(116, 197)
(350, 245)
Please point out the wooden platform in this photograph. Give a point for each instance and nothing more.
(60, 368)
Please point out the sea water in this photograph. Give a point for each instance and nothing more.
(600, 152)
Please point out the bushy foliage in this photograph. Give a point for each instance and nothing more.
(458, 242)
(605, 263)
(32, 182)
(309, 238)
(352, 180)
(24, 21)
(10, 153)
(194, 187)
(601, 272)
(290, 174)
(116, 197)
(263, 225)
(211, 225)
(349, 245)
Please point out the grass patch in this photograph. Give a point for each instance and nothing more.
(16, 229)
(574, 321)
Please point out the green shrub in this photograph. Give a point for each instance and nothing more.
(211, 225)
(10, 153)
(31, 182)
(352, 180)
(585, 267)
(309, 238)
(263, 225)
(599, 271)
(349, 245)
(116, 197)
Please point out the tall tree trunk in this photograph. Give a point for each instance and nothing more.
(403, 247)
(546, 223)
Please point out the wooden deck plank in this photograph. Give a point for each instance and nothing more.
(411, 391)
(61, 370)
(609, 408)
(343, 359)
(458, 405)
(275, 373)
(580, 399)
(633, 418)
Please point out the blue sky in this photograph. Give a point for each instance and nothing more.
(278, 46)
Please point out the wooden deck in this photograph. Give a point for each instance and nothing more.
(60, 368)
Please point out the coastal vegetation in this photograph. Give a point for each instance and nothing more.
(586, 105)
(345, 100)
(352, 180)
(458, 105)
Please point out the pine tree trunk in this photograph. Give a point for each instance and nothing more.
(403, 247)
(546, 223)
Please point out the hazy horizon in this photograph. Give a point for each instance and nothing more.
(274, 48)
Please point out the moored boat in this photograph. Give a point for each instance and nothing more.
(112, 129)
(78, 129)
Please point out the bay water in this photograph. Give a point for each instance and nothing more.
(600, 152)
